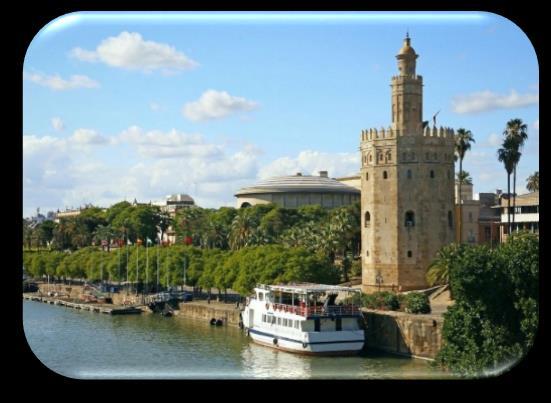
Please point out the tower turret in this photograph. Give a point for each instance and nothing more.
(407, 93)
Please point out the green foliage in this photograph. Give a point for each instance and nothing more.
(382, 300)
(439, 270)
(495, 317)
(416, 302)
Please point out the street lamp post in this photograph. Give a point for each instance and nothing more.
(379, 280)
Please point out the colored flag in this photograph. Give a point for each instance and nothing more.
(149, 241)
(128, 242)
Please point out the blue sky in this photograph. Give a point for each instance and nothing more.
(122, 106)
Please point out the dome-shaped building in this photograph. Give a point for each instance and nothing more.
(299, 190)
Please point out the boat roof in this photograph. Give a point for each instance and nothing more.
(306, 288)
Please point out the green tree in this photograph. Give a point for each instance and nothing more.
(463, 140)
(464, 178)
(104, 233)
(438, 272)
(533, 182)
(243, 229)
(494, 319)
(517, 132)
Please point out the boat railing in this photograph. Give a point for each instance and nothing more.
(337, 310)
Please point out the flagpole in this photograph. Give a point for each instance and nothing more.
(127, 271)
(137, 262)
(158, 247)
(146, 261)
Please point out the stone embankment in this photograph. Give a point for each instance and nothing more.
(228, 313)
(413, 335)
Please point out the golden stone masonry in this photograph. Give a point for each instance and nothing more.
(407, 188)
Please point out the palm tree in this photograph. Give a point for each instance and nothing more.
(463, 140)
(533, 182)
(464, 177)
(516, 130)
(508, 155)
(438, 273)
(243, 229)
(104, 233)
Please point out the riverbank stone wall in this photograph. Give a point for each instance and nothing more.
(402, 333)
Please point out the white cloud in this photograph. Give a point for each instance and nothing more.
(311, 162)
(154, 106)
(494, 140)
(130, 51)
(57, 83)
(172, 144)
(57, 174)
(216, 104)
(87, 137)
(486, 101)
(57, 124)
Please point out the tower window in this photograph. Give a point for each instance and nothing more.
(409, 174)
(432, 174)
(370, 158)
(367, 253)
(410, 219)
(367, 220)
(367, 176)
(450, 219)
(385, 175)
(410, 254)
(388, 156)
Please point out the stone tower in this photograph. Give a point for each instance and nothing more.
(407, 194)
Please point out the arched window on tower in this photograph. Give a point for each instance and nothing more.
(385, 175)
(367, 176)
(409, 174)
(388, 156)
(410, 219)
(432, 173)
(367, 219)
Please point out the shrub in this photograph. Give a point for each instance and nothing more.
(416, 302)
(383, 300)
(495, 318)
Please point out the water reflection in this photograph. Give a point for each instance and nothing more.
(84, 344)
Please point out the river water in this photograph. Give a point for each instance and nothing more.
(82, 344)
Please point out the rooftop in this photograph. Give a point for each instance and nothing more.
(299, 183)
(304, 288)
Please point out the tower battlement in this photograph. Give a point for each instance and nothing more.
(390, 133)
(378, 134)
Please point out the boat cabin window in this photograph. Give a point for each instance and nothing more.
(279, 321)
(263, 318)
(297, 324)
(284, 322)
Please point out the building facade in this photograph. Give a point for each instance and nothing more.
(354, 181)
(470, 214)
(407, 188)
(527, 214)
(489, 219)
(298, 190)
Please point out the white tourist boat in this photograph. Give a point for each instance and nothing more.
(305, 318)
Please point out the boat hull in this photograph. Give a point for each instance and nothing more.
(335, 347)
